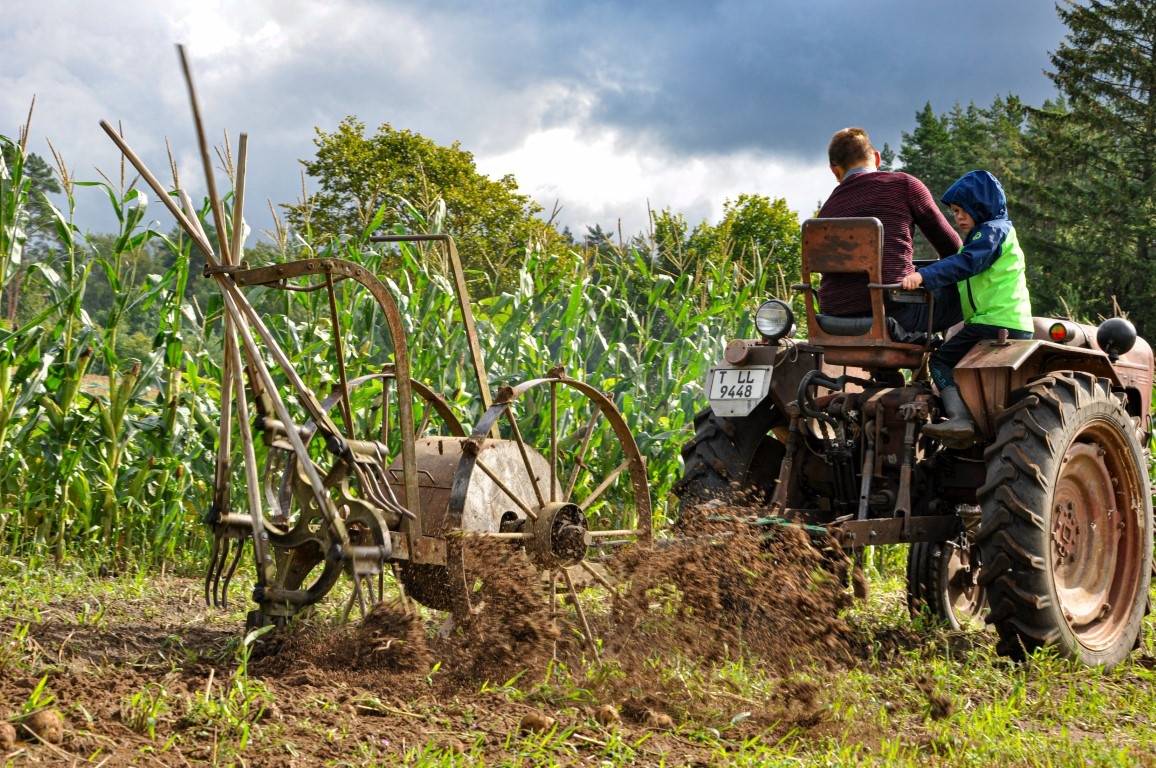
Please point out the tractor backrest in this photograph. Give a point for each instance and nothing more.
(852, 246)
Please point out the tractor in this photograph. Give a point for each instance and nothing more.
(1042, 527)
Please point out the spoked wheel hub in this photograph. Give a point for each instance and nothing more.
(561, 536)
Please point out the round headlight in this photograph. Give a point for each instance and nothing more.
(774, 319)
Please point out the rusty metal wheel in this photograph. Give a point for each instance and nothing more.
(1066, 537)
(564, 484)
(942, 582)
(299, 540)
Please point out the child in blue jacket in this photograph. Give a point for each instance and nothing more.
(990, 272)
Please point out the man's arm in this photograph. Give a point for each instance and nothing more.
(930, 220)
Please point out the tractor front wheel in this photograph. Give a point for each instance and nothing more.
(732, 460)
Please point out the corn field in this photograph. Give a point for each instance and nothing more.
(122, 474)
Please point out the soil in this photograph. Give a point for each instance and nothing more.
(372, 690)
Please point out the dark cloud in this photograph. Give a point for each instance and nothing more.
(715, 77)
(678, 80)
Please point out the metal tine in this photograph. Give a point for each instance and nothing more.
(349, 603)
(373, 600)
(229, 573)
(355, 595)
(582, 616)
(211, 572)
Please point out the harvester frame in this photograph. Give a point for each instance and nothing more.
(403, 487)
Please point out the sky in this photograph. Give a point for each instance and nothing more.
(602, 109)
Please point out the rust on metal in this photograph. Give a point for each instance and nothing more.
(852, 246)
(328, 500)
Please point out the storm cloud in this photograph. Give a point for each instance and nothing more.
(603, 108)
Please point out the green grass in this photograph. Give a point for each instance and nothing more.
(922, 697)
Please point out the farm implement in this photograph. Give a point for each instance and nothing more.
(378, 476)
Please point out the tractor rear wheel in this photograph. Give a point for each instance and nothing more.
(1066, 537)
(732, 459)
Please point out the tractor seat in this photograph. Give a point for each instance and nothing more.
(854, 246)
(861, 326)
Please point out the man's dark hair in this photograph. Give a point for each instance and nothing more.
(850, 147)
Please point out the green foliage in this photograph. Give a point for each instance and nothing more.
(1095, 151)
(397, 178)
(941, 148)
(101, 464)
(1078, 170)
(142, 710)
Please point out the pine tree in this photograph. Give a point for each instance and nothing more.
(1096, 157)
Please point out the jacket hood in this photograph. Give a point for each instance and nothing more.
(980, 194)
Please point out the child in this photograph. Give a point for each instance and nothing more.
(990, 273)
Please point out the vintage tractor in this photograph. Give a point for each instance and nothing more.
(1045, 521)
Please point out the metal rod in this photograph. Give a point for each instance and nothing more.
(467, 311)
(525, 456)
(507, 535)
(619, 532)
(339, 351)
(210, 180)
(580, 461)
(239, 201)
(425, 419)
(553, 440)
(252, 475)
(598, 577)
(604, 485)
(582, 617)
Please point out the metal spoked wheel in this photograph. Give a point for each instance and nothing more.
(564, 485)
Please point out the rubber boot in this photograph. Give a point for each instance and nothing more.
(959, 430)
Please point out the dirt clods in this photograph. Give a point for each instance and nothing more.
(509, 628)
(644, 712)
(535, 722)
(606, 715)
(392, 638)
(736, 589)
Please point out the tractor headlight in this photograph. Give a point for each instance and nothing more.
(774, 319)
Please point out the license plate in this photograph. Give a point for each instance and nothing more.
(736, 391)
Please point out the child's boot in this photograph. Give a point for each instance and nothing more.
(959, 430)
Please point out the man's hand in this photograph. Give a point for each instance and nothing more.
(912, 281)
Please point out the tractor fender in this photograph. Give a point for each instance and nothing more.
(992, 371)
